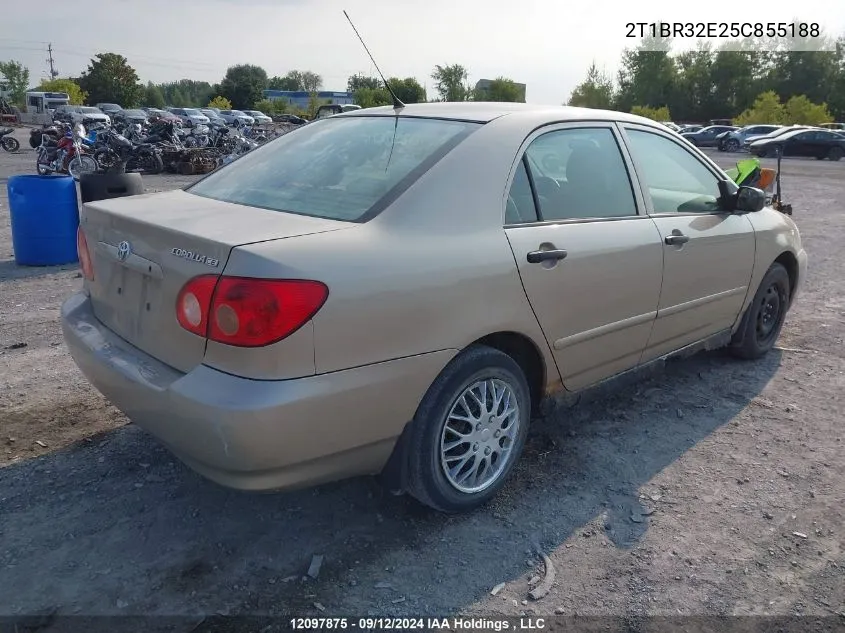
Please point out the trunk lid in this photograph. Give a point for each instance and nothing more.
(145, 248)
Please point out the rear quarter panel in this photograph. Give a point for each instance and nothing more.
(433, 272)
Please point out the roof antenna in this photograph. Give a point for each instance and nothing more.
(397, 103)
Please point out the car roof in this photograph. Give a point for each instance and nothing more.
(483, 112)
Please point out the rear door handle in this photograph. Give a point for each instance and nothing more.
(536, 257)
(676, 239)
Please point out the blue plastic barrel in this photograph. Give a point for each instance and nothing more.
(45, 215)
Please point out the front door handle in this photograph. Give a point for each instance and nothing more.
(676, 239)
(536, 257)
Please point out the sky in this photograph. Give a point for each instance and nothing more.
(546, 44)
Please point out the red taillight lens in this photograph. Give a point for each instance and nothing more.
(84, 255)
(247, 312)
(193, 302)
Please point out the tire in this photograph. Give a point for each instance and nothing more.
(763, 320)
(82, 164)
(732, 145)
(11, 144)
(94, 187)
(106, 160)
(835, 153)
(434, 421)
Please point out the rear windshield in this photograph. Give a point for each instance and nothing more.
(345, 168)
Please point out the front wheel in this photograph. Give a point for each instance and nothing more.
(82, 164)
(763, 320)
(11, 144)
(835, 153)
(468, 431)
(732, 145)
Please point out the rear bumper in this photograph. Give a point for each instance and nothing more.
(251, 434)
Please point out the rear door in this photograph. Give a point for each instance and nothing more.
(708, 254)
(590, 263)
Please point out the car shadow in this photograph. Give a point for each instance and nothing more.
(116, 525)
(10, 271)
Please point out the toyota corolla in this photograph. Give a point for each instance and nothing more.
(395, 291)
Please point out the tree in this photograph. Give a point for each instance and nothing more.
(283, 83)
(500, 89)
(270, 106)
(153, 96)
(655, 114)
(801, 111)
(299, 80)
(221, 103)
(596, 91)
(69, 86)
(451, 83)
(109, 78)
(356, 82)
(372, 97)
(243, 85)
(17, 76)
(693, 95)
(187, 93)
(647, 76)
(408, 90)
(767, 109)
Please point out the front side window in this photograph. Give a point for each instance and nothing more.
(676, 181)
(579, 173)
(338, 168)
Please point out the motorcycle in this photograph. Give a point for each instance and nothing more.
(9, 143)
(116, 153)
(55, 130)
(198, 136)
(65, 155)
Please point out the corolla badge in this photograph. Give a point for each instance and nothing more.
(194, 257)
(123, 250)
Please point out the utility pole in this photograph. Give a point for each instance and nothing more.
(53, 72)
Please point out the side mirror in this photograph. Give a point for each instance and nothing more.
(750, 199)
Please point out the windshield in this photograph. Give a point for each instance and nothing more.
(342, 168)
(192, 112)
(90, 110)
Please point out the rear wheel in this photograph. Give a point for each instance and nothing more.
(732, 145)
(763, 320)
(11, 144)
(835, 153)
(468, 431)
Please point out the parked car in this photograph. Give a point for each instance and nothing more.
(213, 116)
(733, 141)
(128, 117)
(190, 116)
(289, 118)
(236, 117)
(330, 109)
(833, 126)
(279, 350)
(259, 117)
(671, 126)
(109, 108)
(156, 113)
(86, 115)
(778, 132)
(691, 128)
(706, 137)
(818, 144)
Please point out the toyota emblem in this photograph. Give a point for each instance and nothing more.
(123, 250)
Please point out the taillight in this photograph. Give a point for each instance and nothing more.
(84, 255)
(248, 312)
(193, 302)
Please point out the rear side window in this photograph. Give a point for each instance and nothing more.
(346, 168)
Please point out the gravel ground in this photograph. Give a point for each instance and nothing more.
(713, 488)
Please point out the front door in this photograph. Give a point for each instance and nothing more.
(708, 254)
(590, 264)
